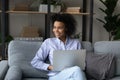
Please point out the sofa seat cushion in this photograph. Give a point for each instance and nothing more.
(29, 71)
(21, 53)
(116, 78)
(34, 79)
(109, 47)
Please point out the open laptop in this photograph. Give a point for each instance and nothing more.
(68, 58)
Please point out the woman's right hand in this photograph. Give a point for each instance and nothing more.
(50, 67)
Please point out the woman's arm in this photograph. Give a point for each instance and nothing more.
(39, 60)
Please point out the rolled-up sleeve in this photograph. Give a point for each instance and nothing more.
(39, 60)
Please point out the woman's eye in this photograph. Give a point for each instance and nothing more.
(58, 27)
(61, 28)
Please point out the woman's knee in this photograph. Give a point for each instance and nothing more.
(77, 68)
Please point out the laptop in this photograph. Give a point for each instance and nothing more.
(68, 58)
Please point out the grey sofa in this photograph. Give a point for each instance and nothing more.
(20, 54)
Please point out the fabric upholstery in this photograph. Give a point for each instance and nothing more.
(87, 45)
(109, 47)
(21, 53)
(14, 73)
(115, 78)
(34, 79)
(3, 69)
(100, 66)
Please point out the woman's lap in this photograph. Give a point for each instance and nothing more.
(73, 73)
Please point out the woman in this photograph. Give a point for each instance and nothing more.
(63, 27)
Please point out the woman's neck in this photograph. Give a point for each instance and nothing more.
(63, 39)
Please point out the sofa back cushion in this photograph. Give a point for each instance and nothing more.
(87, 45)
(109, 47)
(20, 53)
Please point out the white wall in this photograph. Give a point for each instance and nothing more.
(18, 21)
(99, 32)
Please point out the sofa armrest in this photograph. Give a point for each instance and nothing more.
(3, 69)
(14, 73)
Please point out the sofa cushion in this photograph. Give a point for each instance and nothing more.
(100, 66)
(21, 53)
(87, 45)
(34, 79)
(112, 47)
(116, 78)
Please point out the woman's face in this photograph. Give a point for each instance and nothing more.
(59, 29)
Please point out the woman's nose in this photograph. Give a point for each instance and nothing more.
(56, 30)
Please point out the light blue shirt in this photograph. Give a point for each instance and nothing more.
(47, 48)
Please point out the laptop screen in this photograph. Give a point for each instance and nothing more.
(68, 58)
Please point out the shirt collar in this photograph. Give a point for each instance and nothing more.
(67, 40)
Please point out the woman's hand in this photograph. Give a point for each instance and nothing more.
(50, 67)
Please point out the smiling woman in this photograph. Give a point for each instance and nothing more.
(67, 21)
(64, 26)
(61, 26)
(59, 30)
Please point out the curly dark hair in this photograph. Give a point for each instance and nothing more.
(68, 20)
